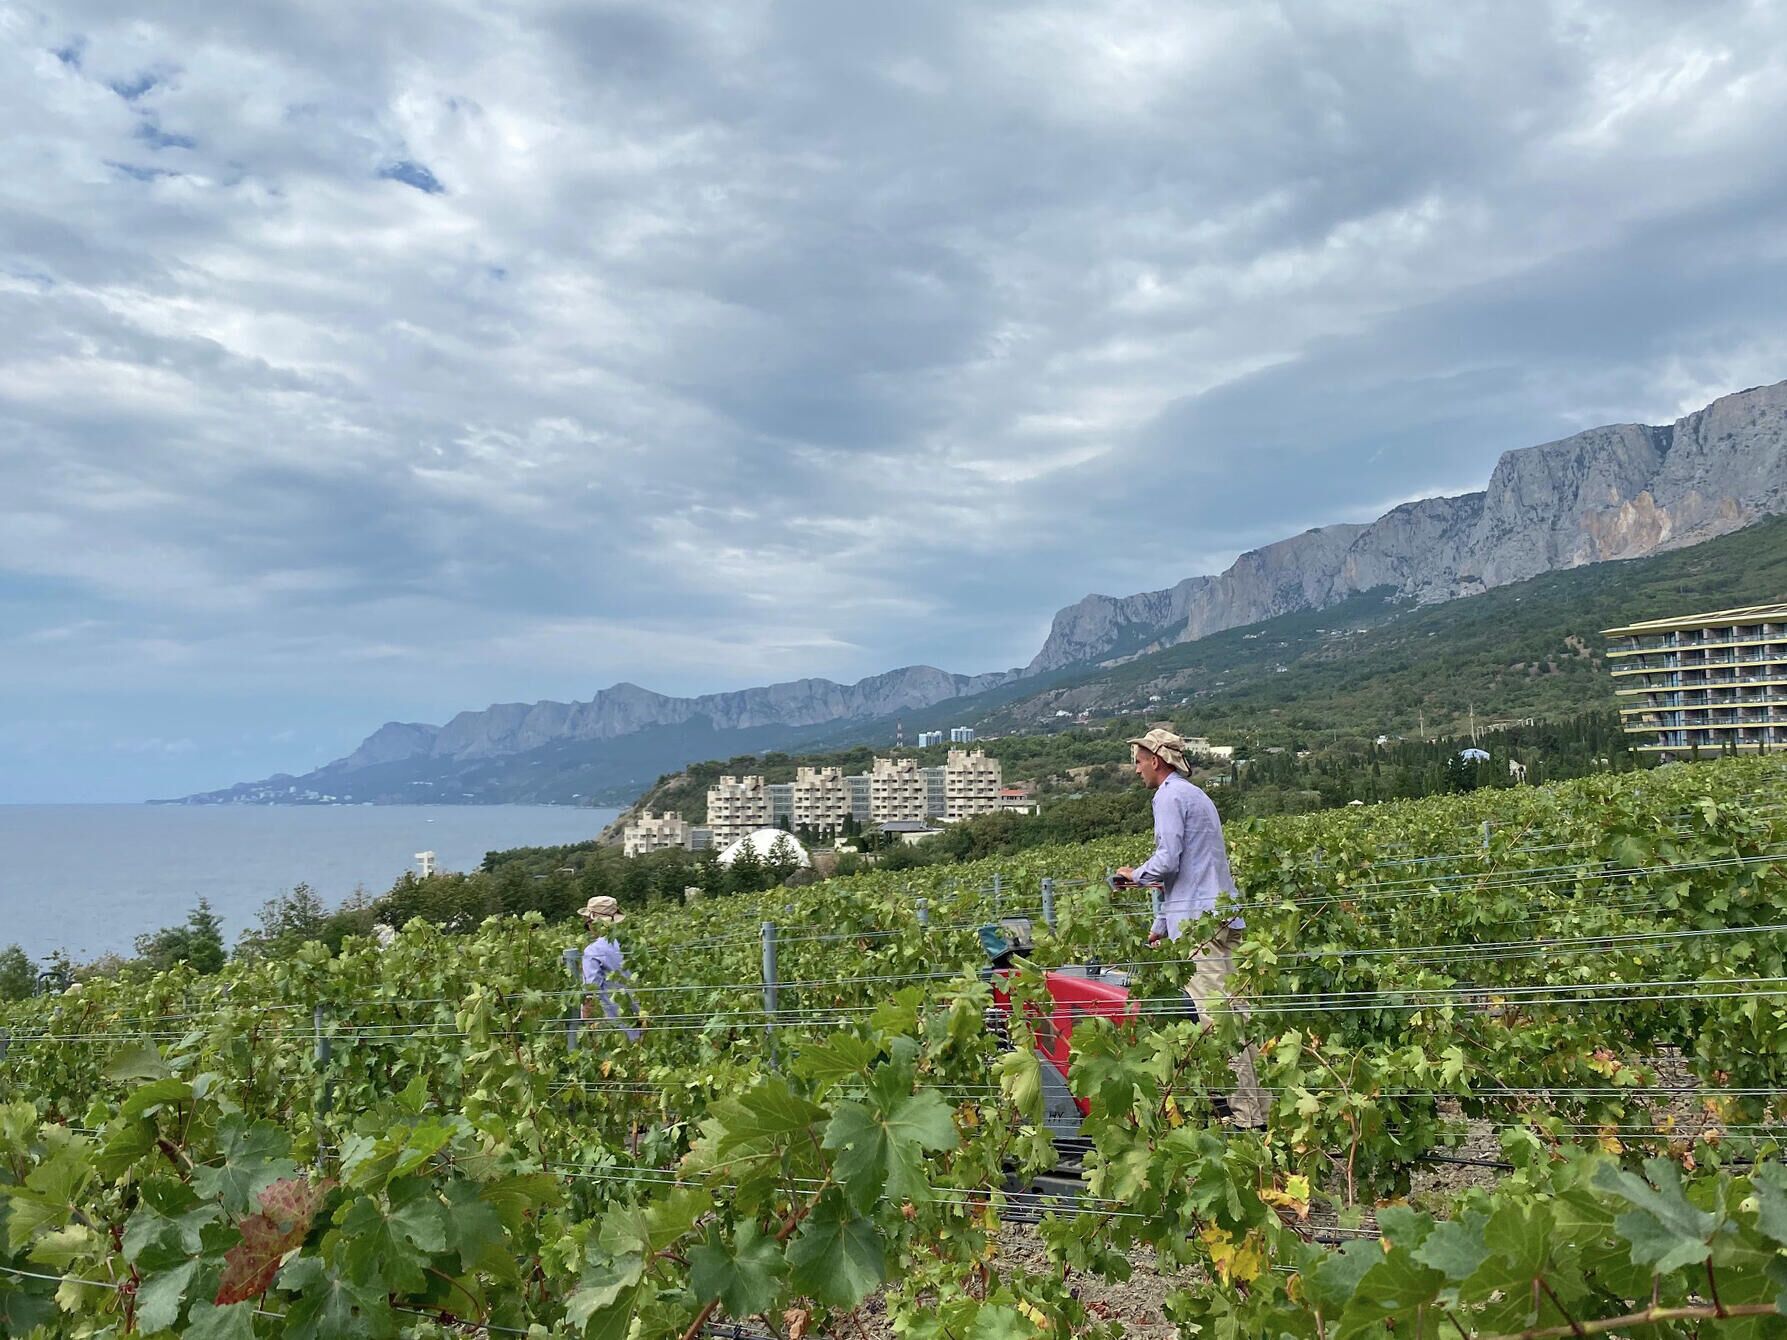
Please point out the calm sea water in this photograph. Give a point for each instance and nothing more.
(91, 878)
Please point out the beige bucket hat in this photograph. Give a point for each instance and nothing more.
(603, 908)
(1166, 746)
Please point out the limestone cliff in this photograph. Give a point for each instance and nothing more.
(1615, 492)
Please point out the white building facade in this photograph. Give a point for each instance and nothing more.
(655, 832)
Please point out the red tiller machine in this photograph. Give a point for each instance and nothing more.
(1075, 992)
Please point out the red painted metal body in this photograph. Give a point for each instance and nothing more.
(1074, 993)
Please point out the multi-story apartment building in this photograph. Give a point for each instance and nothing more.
(896, 790)
(927, 738)
(781, 804)
(961, 735)
(736, 806)
(936, 791)
(654, 832)
(972, 784)
(1709, 681)
(861, 798)
(820, 799)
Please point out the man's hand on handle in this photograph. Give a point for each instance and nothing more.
(1126, 875)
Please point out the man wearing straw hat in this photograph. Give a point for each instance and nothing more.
(1191, 866)
(602, 961)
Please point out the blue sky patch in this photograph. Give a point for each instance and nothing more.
(412, 174)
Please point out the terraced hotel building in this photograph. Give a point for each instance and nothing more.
(1714, 681)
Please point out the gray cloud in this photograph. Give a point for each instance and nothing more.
(378, 366)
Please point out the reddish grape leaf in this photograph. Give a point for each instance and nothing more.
(287, 1208)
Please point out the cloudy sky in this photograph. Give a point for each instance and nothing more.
(369, 363)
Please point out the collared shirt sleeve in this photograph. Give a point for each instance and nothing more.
(600, 958)
(1169, 848)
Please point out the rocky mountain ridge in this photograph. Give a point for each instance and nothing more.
(625, 709)
(1622, 491)
(1616, 492)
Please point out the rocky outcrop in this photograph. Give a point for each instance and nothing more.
(1617, 492)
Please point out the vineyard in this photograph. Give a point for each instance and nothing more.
(1527, 1052)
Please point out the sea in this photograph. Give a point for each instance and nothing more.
(89, 879)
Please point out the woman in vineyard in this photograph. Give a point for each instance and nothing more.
(604, 968)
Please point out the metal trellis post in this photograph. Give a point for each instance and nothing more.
(574, 1017)
(322, 1058)
(924, 913)
(769, 976)
(1486, 835)
(997, 885)
(1048, 902)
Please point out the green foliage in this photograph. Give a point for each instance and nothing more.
(198, 943)
(18, 974)
(178, 1153)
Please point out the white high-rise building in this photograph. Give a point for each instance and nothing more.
(736, 806)
(821, 799)
(896, 790)
(971, 784)
(961, 735)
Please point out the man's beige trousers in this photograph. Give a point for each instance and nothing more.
(1208, 989)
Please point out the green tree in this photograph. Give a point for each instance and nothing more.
(746, 874)
(783, 860)
(199, 942)
(18, 974)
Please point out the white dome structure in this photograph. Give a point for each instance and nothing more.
(761, 841)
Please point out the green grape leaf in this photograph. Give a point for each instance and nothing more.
(51, 1193)
(1770, 1183)
(65, 1246)
(882, 1152)
(25, 1304)
(1333, 1282)
(253, 1158)
(836, 1256)
(1664, 1230)
(153, 1096)
(997, 1321)
(744, 1277)
(138, 1060)
(125, 1143)
(160, 1295)
(1455, 1248)
(1020, 1080)
(770, 1111)
(391, 1242)
(330, 1305)
(513, 1197)
(1397, 1284)
(843, 1056)
(607, 1294)
(475, 1231)
(207, 1321)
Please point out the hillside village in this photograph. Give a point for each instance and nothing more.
(896, 795)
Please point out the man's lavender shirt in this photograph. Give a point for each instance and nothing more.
(602, 960)
(1189, 862)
